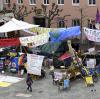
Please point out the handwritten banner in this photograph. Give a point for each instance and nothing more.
(34, 40)
(92, 34)
(40, 30)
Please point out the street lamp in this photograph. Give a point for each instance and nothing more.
(81, 26)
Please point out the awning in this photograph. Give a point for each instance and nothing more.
(14, 25)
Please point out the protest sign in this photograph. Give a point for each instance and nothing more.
(92, 34)
(34, 40)
(91, 63)
(34, 63)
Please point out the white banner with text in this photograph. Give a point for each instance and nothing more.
(92, 34)
(34, 63)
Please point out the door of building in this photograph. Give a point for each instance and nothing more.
(40, 21)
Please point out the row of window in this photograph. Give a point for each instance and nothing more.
(76, 22)
(74, 2)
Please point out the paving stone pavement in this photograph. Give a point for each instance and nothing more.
(44, 89)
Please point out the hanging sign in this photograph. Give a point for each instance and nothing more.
(34, 40)
(40, 30)
(92, 34)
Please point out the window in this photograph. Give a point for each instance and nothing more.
(61, 24)
(60, 1)
(21, 18)
(92, 2)
(20, 1)
(7, 1)
(75, 22)
(46, 1)
(91, 24)
(32, 1)
(75, 2)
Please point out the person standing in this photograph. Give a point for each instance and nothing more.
(21, 65)
(29, 82)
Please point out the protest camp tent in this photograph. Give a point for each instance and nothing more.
(62, 35)
(14, 25)
(48, 49)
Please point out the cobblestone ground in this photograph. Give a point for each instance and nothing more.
(44, 89)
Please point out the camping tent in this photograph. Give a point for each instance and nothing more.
(14, 25)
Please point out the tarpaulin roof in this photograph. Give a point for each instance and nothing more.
(63, 33)
(14, 25)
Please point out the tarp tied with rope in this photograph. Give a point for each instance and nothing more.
(61, 34)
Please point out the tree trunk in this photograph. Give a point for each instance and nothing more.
(49, 23)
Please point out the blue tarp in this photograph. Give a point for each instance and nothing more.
(64, 33)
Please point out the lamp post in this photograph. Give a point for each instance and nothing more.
(81, 26)
(82, 21)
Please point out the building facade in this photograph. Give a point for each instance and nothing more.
(78, 12)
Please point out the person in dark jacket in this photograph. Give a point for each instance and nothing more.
(29, 82)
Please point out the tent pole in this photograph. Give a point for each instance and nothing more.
(25, 50)
(6, 34)
(20, 48)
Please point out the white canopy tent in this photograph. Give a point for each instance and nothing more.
(14, 25)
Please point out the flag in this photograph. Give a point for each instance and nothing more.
(20, 60)
(64, 56)
(97, 16)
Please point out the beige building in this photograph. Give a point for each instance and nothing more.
(76, 11)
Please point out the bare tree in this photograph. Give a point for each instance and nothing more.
(18, 11)
(21, 11)
(53, 12)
